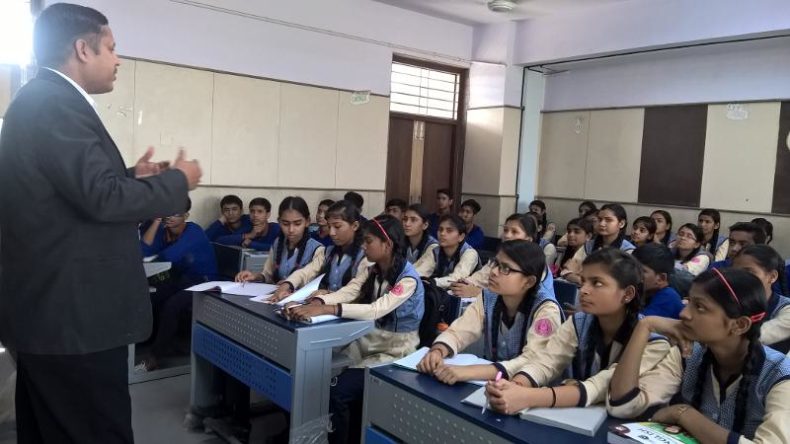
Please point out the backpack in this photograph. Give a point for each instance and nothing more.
(440, 306)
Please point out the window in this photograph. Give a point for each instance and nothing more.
(424, 91)
(16, 32)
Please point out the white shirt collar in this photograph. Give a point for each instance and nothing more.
(75, 85)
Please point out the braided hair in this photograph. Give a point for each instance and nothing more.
(299, 205)
(622, 216)
(387, 229)
(739, 293)
(444, 262)
(348, 212)
(714, 239)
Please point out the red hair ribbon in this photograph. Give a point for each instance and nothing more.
(383, 231)
(755, 317)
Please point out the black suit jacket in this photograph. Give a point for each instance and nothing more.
(73, 280)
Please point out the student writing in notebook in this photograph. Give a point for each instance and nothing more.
(586, 346)
(419, 242)
(261, 234)
(730, 388)
(511, 316)
(390, 292)
(232, 219)
(292, 250)
(768, 266)
(342, 260)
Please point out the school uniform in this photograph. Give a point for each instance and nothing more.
(696, 265)
(397, 309)
(722, 246)
(665, 302)
(218, 229)
(290, 260)
(325, 241)
(567, 350)
(433, 224)
(549, 250)
(480, 279)
(475, 238)
(669, 240)
(261, 243)
(775, 331)
(445, 272)
(500, 341)
(767, 411)
(191, 254)
(726, 263)
(574, 264)
(338, 269)
(421, 256)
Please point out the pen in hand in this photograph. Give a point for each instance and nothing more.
(496, 379)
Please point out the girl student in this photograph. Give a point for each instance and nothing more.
(587, 210)
(517, 226)
(547, 229)
(610, 232)
(548, 248)
(643, 231)
(732, 389)
(765, 263)
(342, 260)
(390, 292)
(717, 245)
(579, 232)
(689, 254)
(664, 234)
(511, 315)
(292, 250)
(320, 229)
(419, 243)
(454, 259)
(587, 346)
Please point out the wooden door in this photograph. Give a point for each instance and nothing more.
(437, 165)
(399, 158)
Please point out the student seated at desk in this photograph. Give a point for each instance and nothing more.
(187, 247)
(232, 219)
(517, 227)
(579, 232)
(587, 346)
(513, 315)
(610, 223)
(474, 234)
(765, 263)
(342, 261)
(419, 243)
(454, 259)
(261, 234)
(643, 231)
(292, 250)
(729, 388)
(320, 229)
(390, 292)
(657, 266)
(709, 220)
(742, 235)
(396, 208)
(688, 251)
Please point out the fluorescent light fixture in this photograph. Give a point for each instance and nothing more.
(16, 32)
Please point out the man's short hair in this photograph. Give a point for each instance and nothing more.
(59, 26)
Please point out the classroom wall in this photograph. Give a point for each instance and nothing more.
(5, 88)
(253, 137)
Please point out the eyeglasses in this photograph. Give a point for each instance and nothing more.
(505, 268)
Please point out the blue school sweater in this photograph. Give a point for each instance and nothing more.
(325, 241)
(218, 229)
(475, 238)
(665, 302)
(261, 243)
(191, 254)
(726, 263)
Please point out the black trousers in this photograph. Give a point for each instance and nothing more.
(73, 398)
(345, 405)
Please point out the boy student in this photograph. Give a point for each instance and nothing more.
(232, 219)
(742, 234)
(444, 205)
(261, 234)
(658, 264)
(474, 234)
(396, 208)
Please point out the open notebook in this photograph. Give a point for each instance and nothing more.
(236, 288)
(582, 420)
(298, 296)
(410, 362)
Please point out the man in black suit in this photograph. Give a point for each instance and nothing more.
(73, 292)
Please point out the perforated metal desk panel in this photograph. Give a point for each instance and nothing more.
(288, 362)
(415, 408)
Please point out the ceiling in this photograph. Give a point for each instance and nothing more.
(473, 12)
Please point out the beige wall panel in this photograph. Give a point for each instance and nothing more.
(362, 137)
(740, 156)
(482, 151)
(614, 154)
(116, 110)
(308, 136)
(245, 131)
(173, 109)
(563, 154)
(511, 132)
(5, 88)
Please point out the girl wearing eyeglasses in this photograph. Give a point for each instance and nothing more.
(689, 252)
(729, 388)
(586, 347)
(390, 292)
(513, 315)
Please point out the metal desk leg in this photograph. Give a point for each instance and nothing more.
(310, 386)
(205, 393)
